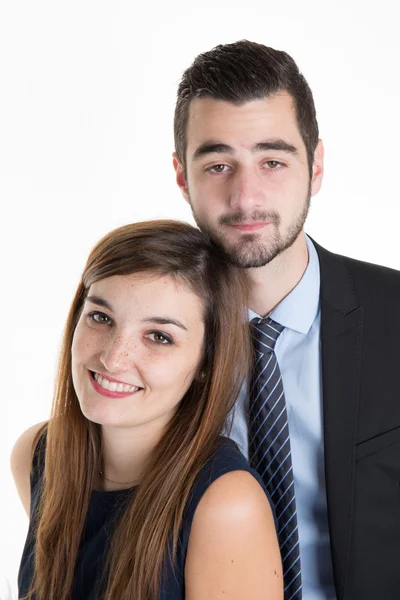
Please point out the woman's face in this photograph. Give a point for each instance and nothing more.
(136, 349)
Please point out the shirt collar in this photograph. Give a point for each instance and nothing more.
(298, 309)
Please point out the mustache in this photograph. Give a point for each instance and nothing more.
(237, 218)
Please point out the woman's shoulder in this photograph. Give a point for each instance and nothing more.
(234, 499)
(22, 459)
(226, 478)
(233, 542)
(226, 458)
(229, 475)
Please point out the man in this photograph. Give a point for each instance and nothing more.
(248, 159)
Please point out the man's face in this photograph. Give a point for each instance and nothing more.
(247, 180)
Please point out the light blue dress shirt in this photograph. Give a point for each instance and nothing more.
(298, 351)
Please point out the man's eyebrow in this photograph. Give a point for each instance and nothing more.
(99, 301)
(165, 321)
(277, 144)
(212, 147)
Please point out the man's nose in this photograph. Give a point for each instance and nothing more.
(247, 191)
(119, 353)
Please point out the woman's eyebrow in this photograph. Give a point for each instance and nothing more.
(164, 321)
(99, 301)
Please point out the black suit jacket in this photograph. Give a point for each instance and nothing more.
(360, 346)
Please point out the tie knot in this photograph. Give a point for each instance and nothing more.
(265, 332)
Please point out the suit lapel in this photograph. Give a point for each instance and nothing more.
(341, 333)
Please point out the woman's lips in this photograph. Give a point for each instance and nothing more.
(102, 386)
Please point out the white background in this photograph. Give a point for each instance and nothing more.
(87, 92)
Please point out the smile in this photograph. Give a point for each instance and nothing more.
(113, 389)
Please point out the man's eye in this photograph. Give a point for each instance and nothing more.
(272, 164)
(99, 317)
(159, 338)
(217, 169)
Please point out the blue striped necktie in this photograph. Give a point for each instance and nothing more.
(269, 447)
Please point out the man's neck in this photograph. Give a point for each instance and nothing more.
(270, 284)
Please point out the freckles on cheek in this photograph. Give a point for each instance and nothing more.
(82, 344)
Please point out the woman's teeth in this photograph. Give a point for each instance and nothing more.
(113, 386)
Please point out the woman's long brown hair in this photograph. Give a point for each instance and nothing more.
(152, 518)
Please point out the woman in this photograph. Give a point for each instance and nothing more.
(132, 491)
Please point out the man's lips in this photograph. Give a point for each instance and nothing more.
(250, 226)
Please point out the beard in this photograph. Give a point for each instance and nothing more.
(252, 251)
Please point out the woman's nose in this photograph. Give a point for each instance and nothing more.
(118, 355)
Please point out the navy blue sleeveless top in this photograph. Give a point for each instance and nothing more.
(103, 511)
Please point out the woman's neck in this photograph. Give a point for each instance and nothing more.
(125, 453)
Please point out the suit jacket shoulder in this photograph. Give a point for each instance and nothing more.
(347, 282)
(363, 298)
(360, 341)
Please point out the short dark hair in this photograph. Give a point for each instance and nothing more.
(241, 72)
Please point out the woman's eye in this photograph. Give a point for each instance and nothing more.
(159, 338)
(100, 318)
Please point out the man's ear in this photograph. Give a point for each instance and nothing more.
(317, 168)
(180, 177)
